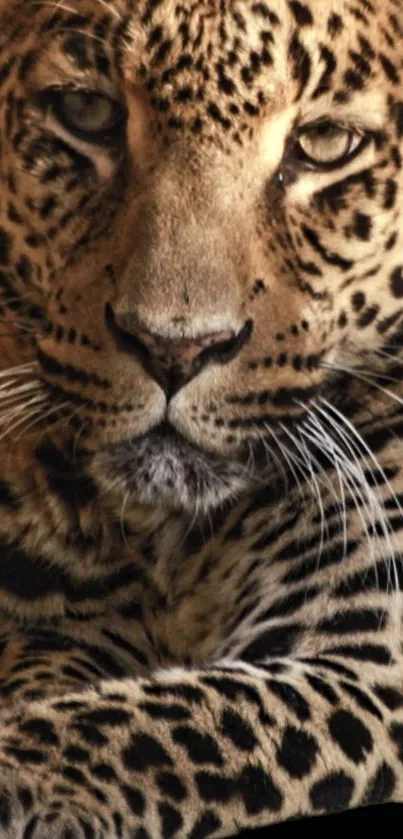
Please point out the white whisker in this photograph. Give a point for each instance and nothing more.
(364, 378)
(351, 474)
(319, 436)
(288, 459)
(42, 417)
(20, 370)
(301, 446)
(273, 457)
(361, 446)
(21, 420)
(17, 409)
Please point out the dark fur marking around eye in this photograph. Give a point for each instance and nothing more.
(328, 256)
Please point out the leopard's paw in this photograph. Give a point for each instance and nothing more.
(24, 816)
(63, 824)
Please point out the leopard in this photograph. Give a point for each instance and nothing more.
(201, 414)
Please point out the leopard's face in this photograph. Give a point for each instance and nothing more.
(200, 221)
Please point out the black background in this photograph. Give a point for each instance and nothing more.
(384, 818)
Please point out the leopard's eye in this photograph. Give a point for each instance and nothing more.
(327, 145)
(89, 115)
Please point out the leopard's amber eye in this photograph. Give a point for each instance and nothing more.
(88, 114)
(327, 144)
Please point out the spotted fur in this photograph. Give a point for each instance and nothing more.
(201, 416)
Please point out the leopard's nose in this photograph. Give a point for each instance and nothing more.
(174, 363)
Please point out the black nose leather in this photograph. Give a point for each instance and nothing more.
(174, 363)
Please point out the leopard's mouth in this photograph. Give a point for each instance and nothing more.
(162, 467)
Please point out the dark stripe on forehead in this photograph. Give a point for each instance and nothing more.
(300, 64)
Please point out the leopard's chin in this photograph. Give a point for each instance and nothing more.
(162, 468)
